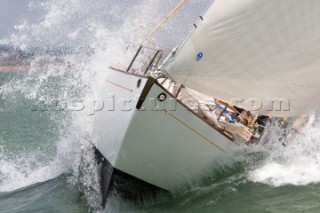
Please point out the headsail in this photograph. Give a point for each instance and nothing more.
(255, 51)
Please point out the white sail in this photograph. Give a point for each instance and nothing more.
(255, 51)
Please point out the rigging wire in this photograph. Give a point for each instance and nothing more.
(167, 17)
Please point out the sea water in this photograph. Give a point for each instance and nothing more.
(45, 133)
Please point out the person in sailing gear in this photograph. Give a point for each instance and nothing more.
(245, 118)
(228, 115)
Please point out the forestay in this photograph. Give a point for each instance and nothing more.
(252, 51)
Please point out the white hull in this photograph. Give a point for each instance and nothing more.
(167, 148)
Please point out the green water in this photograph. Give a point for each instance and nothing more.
(50, 196)
(35, 177)
(32, 179)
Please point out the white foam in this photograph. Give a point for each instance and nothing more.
(18, 172)
(296, 164)
(98, 32)
(299, 171)
(14, 178)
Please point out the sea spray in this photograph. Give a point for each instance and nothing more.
(72, 44)
(26, 169)
(296, 162)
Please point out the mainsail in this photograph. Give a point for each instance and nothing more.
(251, 51)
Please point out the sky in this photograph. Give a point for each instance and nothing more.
(72, 18)
(11, 12)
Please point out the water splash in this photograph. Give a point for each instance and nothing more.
(25, 170)
(72, 43)
(297, 163)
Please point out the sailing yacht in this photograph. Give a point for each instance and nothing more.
(174, 122)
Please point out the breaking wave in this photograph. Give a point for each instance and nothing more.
(69, 45)
(72, 43)
(295, 163)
